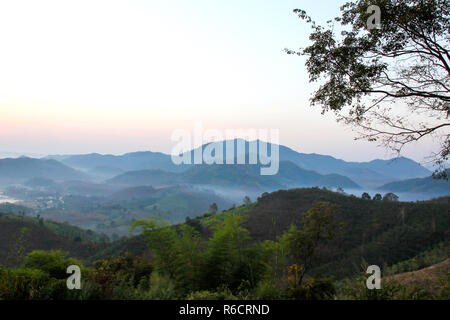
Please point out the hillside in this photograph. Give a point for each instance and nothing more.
(21, 169)
(367, 174)
(247, 177)
(20, 235)
(370, 174)
(426, 185)
(154, 178)
(431, 278)
(377, 232)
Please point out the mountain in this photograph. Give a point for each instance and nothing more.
(24, 233)
(155, 178)
(366, 174)
(104, 172)
(18, 170)
(133, 193)
(130, 161)
(246, 177)
(428, 185)
(369, 175)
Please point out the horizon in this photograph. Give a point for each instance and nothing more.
(13, 155)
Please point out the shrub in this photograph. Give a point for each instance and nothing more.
(22, 284)
(222, 294)
(266, 290)
(313, 289)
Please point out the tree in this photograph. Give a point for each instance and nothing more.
(176, 252)
(318, 225)
(377, 197)
(53, 263)
(161, 239)
(213, 208)
(391, 84)
(247, 200)
(390, 197)
(225, 255)
(340, 190)
(365, 196)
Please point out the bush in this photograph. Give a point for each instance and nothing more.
(161, 288)
(22, 284)
(265, 290)
(51, 262)
(314, 289)
(222, 294)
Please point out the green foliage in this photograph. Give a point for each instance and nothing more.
(317, 225)
(51, 262)
(226, 255)
(355, 289)
(314, 289)
(365, 196)
(425, 259)
(377, 197)
(22, 284)
(214, 257)
(176, 252)
(386, 64)
(223, 294)
(17, 251)
(162, 240)
(266, 290)
(118, 278)
(390, 197)
(160, 288)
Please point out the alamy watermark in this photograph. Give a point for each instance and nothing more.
(374, 281)
(374, 20)
(74, 281)
(188, 150)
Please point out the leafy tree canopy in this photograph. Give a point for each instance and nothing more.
(389, 83)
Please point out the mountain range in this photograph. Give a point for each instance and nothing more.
(156, 169)
(18, 170)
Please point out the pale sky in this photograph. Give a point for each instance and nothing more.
(121, 76)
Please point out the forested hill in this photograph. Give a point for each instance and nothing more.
(20, 234)
(439, 187)
(377, 232)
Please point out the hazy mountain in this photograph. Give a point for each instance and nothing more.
(126, 162)
(367, 174)
(426, 185)
(246, 177)
(153, 178)
(105, 172)
(21, 169)
(133, 193)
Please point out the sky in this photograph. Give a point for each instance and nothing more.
(121, 76)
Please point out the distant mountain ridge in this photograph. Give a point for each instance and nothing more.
(235, 176)
(126, 162)
(370, 174)
(438, 187)
(15, 170)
